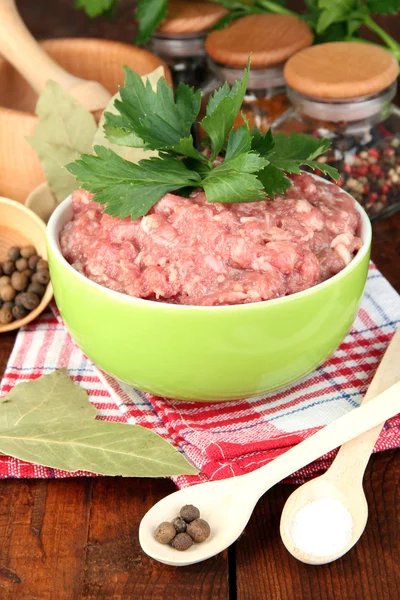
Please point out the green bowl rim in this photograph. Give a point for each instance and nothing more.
(54, 245)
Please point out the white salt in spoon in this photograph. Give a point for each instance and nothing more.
(227, 504)
(21, 49)
(326, 516)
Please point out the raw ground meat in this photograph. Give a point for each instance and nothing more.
(190, 251)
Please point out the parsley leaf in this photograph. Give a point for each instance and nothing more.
(239, 142)
(94, 8)
(292, 151)
(222, 111)
(149, 13)
(234, 180)
(152, 119)
(262, 142)
(274, 180)
(127, 189)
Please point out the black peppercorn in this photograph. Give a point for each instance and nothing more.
(19, 312)
(165, 533)
(33, 261)
(41, 277)
(7, 292)
(8, 267)
(14, 253)
(19, 281)
(5, 316)
(179, 524)
(42, 265)
(5, 280)
(199, 530)
(21, 264)
(37, 288)
(18, 299)
(29, 300)
(28, 251)
(189, 513)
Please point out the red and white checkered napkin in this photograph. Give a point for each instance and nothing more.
(227, 438)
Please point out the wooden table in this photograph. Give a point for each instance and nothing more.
(77, 538)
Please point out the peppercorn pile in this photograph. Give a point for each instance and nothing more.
(371, 175)
(23, 281)
(184, 530)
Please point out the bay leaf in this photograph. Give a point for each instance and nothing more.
(64, 131)
(132, 154)
(102, 447)
(47, 399)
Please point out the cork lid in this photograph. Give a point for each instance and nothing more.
(271, 39)
(190, 17)
(341, 70)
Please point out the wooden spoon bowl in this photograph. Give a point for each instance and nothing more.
(19, 226)
(93, 59)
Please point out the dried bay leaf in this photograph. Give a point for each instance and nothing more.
(48, 399)
(102, 447)
(64, 131)
(50, 421)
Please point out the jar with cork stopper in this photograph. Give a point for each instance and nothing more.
(271, 40)
(344, 91)
(179, 40)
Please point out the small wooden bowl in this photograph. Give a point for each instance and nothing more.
(94, 59)
(19, 226)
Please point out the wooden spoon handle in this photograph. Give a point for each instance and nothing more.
(351, 425)
(352, 458)
(20, 48)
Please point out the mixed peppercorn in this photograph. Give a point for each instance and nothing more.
(23, 280)
(184, 530)
(371, 174)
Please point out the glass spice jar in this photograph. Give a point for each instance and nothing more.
(271, 40)
(344, 91)
(179, 40)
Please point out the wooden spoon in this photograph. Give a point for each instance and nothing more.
(342, 482)
(227, 504)
(20, 48)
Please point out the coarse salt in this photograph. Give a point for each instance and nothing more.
(322, 527)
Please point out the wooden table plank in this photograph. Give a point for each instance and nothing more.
(117, 568)
(43, 532)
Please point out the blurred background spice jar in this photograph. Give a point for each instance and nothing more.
(179, 40)
(271, 40)
(344, 91)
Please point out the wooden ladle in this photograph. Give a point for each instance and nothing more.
(20, 48)
(342, 482)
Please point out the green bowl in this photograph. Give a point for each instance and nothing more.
(206, 353)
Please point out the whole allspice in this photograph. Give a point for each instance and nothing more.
(199, 530)
(165, 533)
(182, 541)
(179, 524)
(184, 530)
(189, 513)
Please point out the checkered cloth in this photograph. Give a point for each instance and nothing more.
(223, 439)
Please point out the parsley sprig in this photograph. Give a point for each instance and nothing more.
(255, 164)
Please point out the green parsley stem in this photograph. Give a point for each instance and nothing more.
(392, 45)
(276, 8)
